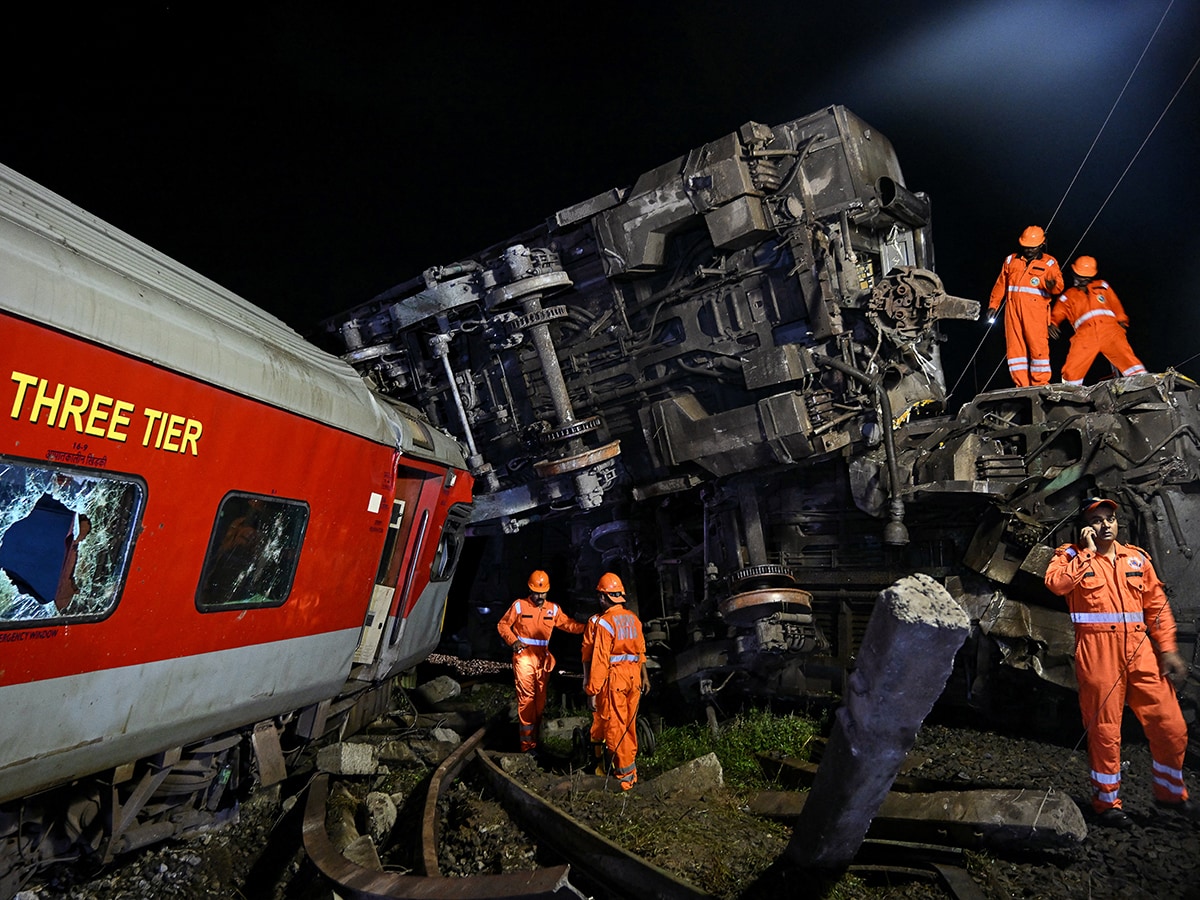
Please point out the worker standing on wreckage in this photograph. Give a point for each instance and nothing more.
(526, 627)
(617, 677)
(1023, 289)
(1095, 312)
(1125, 652)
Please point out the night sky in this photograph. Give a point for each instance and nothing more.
(308, 159)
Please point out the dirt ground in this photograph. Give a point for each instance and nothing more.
(708, 839)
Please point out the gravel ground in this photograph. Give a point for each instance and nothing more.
(1158, 857)
(259, 858)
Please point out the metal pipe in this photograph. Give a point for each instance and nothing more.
(894, 533)
(551, 370)
(440, 344)
(901, 203)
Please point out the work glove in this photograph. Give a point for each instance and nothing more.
(517, 646)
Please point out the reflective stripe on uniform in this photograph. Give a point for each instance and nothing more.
(1171, 786)
(1037, 292)
(1107, 617)
(1177, 774)
(1092, 314)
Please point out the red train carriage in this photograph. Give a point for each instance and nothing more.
(206, 524)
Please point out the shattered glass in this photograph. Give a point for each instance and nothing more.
(253, 553)
(65, 540)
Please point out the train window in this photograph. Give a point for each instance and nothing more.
(253, 552)
(450, 546)
(65, 540)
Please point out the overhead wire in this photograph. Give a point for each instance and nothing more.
(1071, 185)
(1111, 110)
(1141, 147)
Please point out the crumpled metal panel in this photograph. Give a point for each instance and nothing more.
(755, 324)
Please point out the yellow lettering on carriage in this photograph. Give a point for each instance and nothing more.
(77, 402)
(119, 421)
(72, 408)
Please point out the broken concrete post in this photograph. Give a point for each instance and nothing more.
(348, 758)
(991, 818)
(905, 659)
(692, 780)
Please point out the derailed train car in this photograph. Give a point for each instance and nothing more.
(724, 383)
(216, 544)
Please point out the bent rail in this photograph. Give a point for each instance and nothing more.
(357, 883)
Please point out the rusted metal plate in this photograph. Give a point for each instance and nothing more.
(271, 767)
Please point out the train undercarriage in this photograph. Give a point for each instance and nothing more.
(725, 384)
(182, 792)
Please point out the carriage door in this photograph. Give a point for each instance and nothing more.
(385, 587)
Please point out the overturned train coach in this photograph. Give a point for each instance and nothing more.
(724, 383)
(216, 544)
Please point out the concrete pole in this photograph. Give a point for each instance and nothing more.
(905, 659)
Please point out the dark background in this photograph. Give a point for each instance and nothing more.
(308, 158)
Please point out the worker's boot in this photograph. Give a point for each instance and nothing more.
(600, 753)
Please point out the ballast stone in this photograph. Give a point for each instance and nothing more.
(438, 690)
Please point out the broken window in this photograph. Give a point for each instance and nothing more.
(65, 540)
(253, 553)
(450, 546)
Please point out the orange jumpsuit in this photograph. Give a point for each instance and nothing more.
(615, 680)
(1119, 607)
(532, 666)
(589, 642)
(1026, 286)
(1099, 320)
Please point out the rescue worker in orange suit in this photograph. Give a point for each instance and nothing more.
(1125, 653)
(1027, 282)
(526, 627)
(596, 701)
(617, 677)
(1095, 312)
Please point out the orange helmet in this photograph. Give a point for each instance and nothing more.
(1084, 266)
(1033, 236)
(539, 582)
(610, 584)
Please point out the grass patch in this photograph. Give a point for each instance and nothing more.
(749, 733)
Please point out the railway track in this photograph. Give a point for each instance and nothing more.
(1157, 857)
(593, 864)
